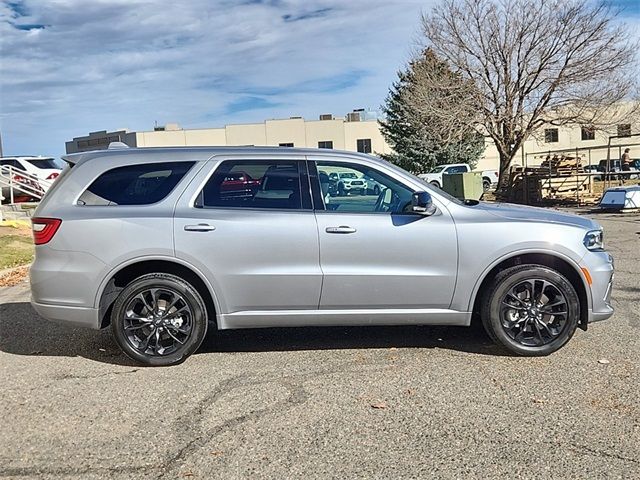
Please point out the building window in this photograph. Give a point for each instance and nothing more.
(364, 145)
(285, 144)
(550, 135)
(624, 130)
(588, 133)
(325, 144)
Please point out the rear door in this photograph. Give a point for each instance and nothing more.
(255, 239)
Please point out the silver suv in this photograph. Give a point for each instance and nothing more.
(166, 243)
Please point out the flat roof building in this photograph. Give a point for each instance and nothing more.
(359, 132)
(354, 133)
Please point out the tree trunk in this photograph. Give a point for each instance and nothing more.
(505, 163)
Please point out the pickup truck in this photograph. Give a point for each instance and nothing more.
(434, 177)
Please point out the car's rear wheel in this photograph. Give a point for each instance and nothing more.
(159, 319)
(486, 185)
(531, 310)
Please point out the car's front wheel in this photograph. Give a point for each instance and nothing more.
(531, 310)
(159, 319)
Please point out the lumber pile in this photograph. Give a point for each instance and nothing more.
(558, 178)
(562, 165)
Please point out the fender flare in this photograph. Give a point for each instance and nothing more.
(517, 253)
(164, 258)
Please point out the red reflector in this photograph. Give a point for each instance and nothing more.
(53, 176)
(44, 229)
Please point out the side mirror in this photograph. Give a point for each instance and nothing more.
(422, 204)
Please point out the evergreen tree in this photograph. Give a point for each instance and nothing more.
(429, 118)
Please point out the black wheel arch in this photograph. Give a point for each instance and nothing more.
(545, 259)
(127, 273)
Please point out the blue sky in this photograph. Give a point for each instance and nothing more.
(73, 66)
(68, 67)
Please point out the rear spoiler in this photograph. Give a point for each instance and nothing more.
(74, 158)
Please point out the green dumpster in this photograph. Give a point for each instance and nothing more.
(463, 185)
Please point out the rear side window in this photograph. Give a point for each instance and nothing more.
(254, 184)
(142, 184)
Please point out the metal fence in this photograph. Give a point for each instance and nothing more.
(595, 171)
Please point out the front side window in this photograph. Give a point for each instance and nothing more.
(254, 184)
(352, 188)
(141, 184)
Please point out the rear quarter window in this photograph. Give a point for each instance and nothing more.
(141, 184)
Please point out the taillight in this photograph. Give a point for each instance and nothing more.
(53, 176)
(44, 229)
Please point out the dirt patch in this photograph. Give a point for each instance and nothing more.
(14, 276)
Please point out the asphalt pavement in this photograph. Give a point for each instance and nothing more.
(383, 402)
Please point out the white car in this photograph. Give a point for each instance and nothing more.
(45, 169)
(434, 177)
(349, 182)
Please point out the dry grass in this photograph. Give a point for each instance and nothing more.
(16, 246)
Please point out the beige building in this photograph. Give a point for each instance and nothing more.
(589, 145)
(354, 133)
(359, 133)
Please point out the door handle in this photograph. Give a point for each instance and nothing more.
(340, 229)
(201, 227)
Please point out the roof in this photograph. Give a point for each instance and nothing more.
(204, 153)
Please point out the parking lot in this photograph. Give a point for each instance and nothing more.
(392, 402)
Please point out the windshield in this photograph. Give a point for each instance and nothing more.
(438, 169)
(348, 175)
(44, 163)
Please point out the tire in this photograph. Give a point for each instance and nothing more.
(486, 185)
(174, 330)
(435, 184)
(519, 327)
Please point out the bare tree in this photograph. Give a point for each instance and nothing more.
(536, 62)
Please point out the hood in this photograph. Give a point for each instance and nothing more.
(535, 214)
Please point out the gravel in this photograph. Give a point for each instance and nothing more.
(399, 402)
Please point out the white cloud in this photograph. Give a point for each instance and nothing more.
(74, 66)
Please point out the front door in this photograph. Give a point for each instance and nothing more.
(373, 254)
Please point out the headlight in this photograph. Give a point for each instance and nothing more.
(594, 240)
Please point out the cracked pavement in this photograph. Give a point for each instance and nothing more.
(384, 402)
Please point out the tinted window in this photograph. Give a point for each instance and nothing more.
(254, 184)
(375, 191)
(135, 184)
(458, 169)
(44, 163)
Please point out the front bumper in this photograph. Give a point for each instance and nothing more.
(601, 268)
